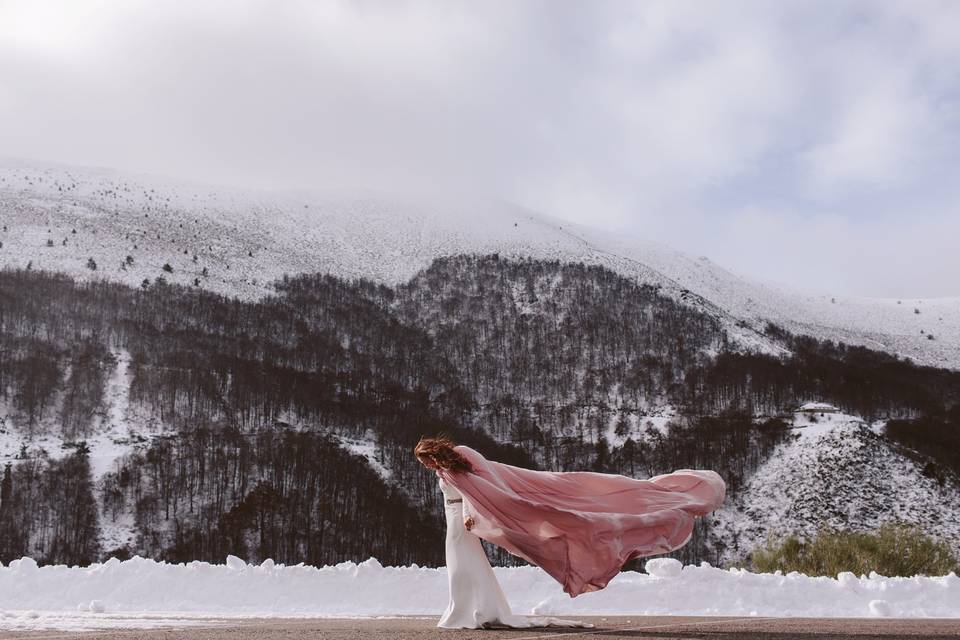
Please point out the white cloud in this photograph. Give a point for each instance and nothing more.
(668, 118)
(898, 254)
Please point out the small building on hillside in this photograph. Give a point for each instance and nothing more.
(814, 408)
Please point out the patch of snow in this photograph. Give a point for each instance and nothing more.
(119, 533)
(817, 406)
(663, 567)
(117, 432)
(879, 427)
(880, 608)
(118, 393)
(108, 441)
(366, 449)
(643, 425)
(808, 426)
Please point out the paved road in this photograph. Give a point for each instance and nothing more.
(608, 628)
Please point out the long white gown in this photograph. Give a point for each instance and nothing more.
(476, 599)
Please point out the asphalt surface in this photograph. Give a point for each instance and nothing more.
(608, 628)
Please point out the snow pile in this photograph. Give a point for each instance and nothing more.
(34, 597)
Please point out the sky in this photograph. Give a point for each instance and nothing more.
(813, 143)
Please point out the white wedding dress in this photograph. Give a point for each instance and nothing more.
(476, 599)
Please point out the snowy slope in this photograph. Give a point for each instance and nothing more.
(118, 429)
(839, 473)
(113, 431)
(246, 239)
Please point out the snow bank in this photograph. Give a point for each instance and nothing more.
(144, 589)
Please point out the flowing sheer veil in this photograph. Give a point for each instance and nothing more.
(581, 527)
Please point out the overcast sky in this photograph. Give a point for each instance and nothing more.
(811, 143)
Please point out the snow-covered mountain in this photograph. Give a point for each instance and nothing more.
(99, 224)
(237, 241)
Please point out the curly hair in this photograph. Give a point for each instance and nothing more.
(440, 451)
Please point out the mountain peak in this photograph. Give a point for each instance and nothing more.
(133, 228)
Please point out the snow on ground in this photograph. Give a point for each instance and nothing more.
(835, 471)
(642, 426)
(142, 592)
(366, 449)
(93, 621)
(116, 431)
(110, 431)
(821, 407)
(247, 239)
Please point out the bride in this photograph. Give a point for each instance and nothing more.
(580, 527)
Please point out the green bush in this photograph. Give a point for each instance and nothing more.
(892, 550)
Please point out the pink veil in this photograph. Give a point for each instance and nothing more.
(581, 527)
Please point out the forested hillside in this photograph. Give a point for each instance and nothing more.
(236, 416)
(555, 349)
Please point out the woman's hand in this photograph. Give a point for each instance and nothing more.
(468, 523)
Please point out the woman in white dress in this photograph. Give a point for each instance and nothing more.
(476, 599)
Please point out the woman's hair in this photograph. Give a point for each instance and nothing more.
(440, 450)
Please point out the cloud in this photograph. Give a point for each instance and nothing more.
(834, 254)
(696, 124)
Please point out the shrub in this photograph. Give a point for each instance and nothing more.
(891, 550)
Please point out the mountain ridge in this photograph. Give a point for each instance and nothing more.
(246, 239)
